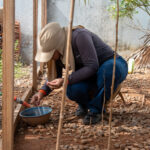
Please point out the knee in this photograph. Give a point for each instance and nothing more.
(75, 92)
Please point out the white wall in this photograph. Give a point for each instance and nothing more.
(93, 16)
(96, 18)
(24, 14)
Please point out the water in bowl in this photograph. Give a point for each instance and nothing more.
(36, 111)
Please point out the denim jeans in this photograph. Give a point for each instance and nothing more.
(80, 92)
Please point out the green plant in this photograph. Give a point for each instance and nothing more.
(0, 53)
(16, 45)
(129, 7)
(18, 71)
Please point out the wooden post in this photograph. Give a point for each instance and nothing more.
(43, 13)
(43, 23)
(35, 26)
(8, 74)
(113, 77)
(66, 76)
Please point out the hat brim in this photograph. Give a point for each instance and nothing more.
(44, 56)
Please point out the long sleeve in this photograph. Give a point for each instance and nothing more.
(88, 56)
(46, 89)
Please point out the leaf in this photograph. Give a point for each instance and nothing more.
(128, 7)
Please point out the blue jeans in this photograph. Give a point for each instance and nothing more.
(80, 92)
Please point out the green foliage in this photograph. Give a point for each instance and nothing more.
(0, 53)
(18, 73)
(17, 68)
(16, 45)
(127, 8)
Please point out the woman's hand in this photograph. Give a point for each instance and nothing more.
(36, 98)
(56, 83)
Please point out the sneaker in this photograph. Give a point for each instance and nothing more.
(91, 118)
(81, 111)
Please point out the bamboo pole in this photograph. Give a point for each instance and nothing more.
(35, 26)
(66, 76)
(8, 75)
(113, 77)
(43, 13)
(43, 23)
(103, 103)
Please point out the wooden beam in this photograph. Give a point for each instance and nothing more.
(43, 13)
(0, 143)
(19, 107)
(69, 37)
(43, 23)
(113, 77)
(8, 74)
(35, 26)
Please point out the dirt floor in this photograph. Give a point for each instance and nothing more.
(130, 125)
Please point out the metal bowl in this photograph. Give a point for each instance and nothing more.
(36, 115)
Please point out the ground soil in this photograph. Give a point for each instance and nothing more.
(130, 122)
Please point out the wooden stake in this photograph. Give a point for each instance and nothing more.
(103, 103)
(113, 77)
(43, 13)
(43, 23)
(122, 98)
(35, 26)
(8, 74)
(66, 76)
(143, 101)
